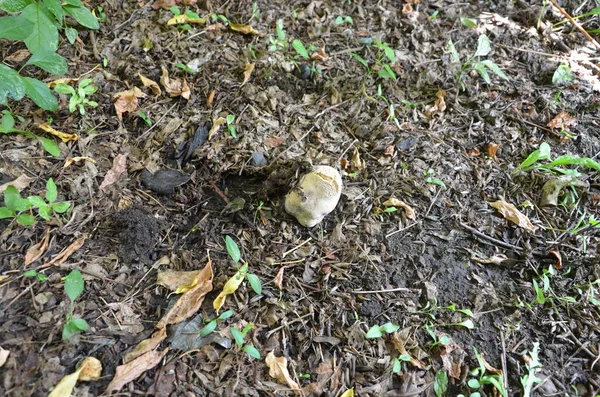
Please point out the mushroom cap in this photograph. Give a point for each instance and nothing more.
(315, 196)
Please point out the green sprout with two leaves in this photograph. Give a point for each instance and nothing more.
(239, 337)
(377, 331)
(17, 207)
(79, 97)
(73, 288)
(234, 252)
(383, 69)
(480, 377)
(556, 165)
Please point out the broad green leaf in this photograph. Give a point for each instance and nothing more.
(51, 191)
(360, 59)
(389, 53)
(64, 89)
(37, 201)
(389, 328)
(49, 145)
(50, 61)
(374, 332)
(5, 213)
(40, 94)
(30, 273)
(74, 284)
(386, 72)
(230, 118)
(279, 30)
(208, 328)
(468, 22)
(562, 74)
(14, 6)
(453, 52)
(300, 49)
(83, 16)
(232, 249)
(494, 68)
(44, 36)
(467, 324)
(473, 384)
(55, 8)
(26, 219)
(71, 34)
(73, 327)
(542, 153)
(80, 324)
(61, 207)
(11, 84)
(482, 72)
(484, 46)
(440, 383)
(574, 160)
(15, 28)
(225, 315)
(254, 283)
(237, 335)
(8, 122)
(45, 212)
(14, 201)
(397, 367)
(252, 351)
(339, 20)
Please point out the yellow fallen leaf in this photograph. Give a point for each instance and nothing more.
(90, 369)
(348, 393)
(243, 29)
(176, 281)
(278, 370)
(2, 278)
(65, 80)
(183, 18)
(510, 212)
(248, 69)
(394, 202)
(216, 124)
(230, 287)
(71, 160)
(62, 135)
(153, 85)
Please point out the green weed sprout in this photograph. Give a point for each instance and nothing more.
(73, 288)
(239, 336)
(79, 98)
(234, 252)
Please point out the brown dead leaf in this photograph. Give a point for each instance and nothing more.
(90, 369)
(453, 357)
(407, 9)
(492, 150)
(408, 210)
(243, 29)
(562, 121)
(62, 135)
(389, 151)
(278, 281)
(399, 345)
(71, 160)
(35, 252)
(146, 345)
(173, 279)
(174, 87)
(356, 162)
(66, 253)
(247, 69)
(190, 301)
(18, 56)
(558, 256)
(438, 106)
(153, 85)
(215, 26)
(510, 212)
(211, 98)
(492, 260)
(127, 101)
(128, 372)
(320, 55)
(20, 183)
(114, 174)
(474, 152)
(274, 141)
(216, 124)
(184, 18)
(3, 356)
(278, 370)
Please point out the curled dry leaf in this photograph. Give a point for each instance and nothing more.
(20, 183)
(247, 69)
(558, 256)
(65, 80)
(36, 251)
(114, 174)
(243, 29)
(438, 106)
(216, 124)
(320, 55)
(3, 356)
(356, 162)
(153, 85)
(399, 345)
(278, 370)
(562, 121)
(90, 369)
(127, 101)
(279, 279)
(510, 212)
(62, 135)
(492, 150)
(71, 160)
(174, 87)
(229, 288)
(394, 202)
(66, 253)
(128, 372)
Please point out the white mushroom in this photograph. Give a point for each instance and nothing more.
(315, 196)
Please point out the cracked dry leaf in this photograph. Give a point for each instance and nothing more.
(153, 85)
(243, 29)
(128, 372)
(114, 174)
(230, 287)
(35, 252)
(510, 212)
(438, 106)
(127, 101)
(278, 370)
(90, 369)
(394, 202)
(562, 121)
(174, 87)
(247, 69)
(62, 135)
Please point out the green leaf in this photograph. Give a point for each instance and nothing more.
(494, 68)
(247, 328)
(71, 34)
(50, 61)
(574, 160)
(562, 74)
(6, 213)
(482, 72)
(40, 94)
(61, 207)
(232, 249)
(30, 273)
(542, 153)
(453, 52)
(389, 328)
(14, 201)
(44, 36)
(252, 351)
(397, 367)
(15, 28)
(208, 328)
(389, 53)
(80, 324)
(374, 332)
(230, 118)
(226, 315)
(405, 357)
(386, 72)
(51, 191)
(440, 383)
(73, 327)
(49, 145)
(83, 16)
(8, 122)
(468, 22)
(45, 212)
(360, 59)
(467, 324)
(14, 6)
(473, 384)
(64, 89)
(484, 46)
(339, 20)
(56, 9)
(74, 284)
(26, 219)
(300, 49)
(279, 30)
(37, 201)
(11, 84)
(237, 335)
(255, 283)
(175, 10)
(445, 340)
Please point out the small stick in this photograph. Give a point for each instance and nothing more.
(381, 291)
(576, 24)
(493, 240)
(295, 248)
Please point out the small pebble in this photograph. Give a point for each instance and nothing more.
(258, 159)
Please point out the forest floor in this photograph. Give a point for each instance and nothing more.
(469, 261)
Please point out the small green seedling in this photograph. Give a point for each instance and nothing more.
(34, 273)
(340, 20)
(397, 363)
(212, 324)
(480, 378)
(79, 98)
(7, 126)
(562, 74)
(73, 288)
(556, 166)
(239, 336)
(532, 364)
(101, 14)
(377, 331)
(443, 340)
(49, 206)
(234, 252)
(279, 42)
(145, 117)
(440, 383)
(475, 63)
(430, 179)
(384, 70)
(300, 49)
(185, 68)
(468, 22)
(230, 127)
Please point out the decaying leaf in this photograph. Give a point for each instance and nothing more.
(66, 80)
(492, 260)
(128, 372)
(247, 69)
(552, 188)
(399, 345)
(453, 357)
(230, 287)
(243, 29)
(510, 212)
(90, 369)
(438, 106)
(114, 174)
(348, 393)
(127, 101)
(558, 256)
(147, 345)
(279, 279)
(66, 253)
(174, 87)
(394, 202)
(190, 301)
(36, 251)
(20, 183)
(178, 281)
(562, 121)
(71, 160)
(274, 141)
(153, 85)
(184, 18)
(492, 150)
(216, 124)
(63, 136)
(211, 98)
(357, 163)
(3, 356)
(320, 55)
(278, 370)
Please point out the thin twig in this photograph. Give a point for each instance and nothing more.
(576, 24)
(493, 240)
(383, 291)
